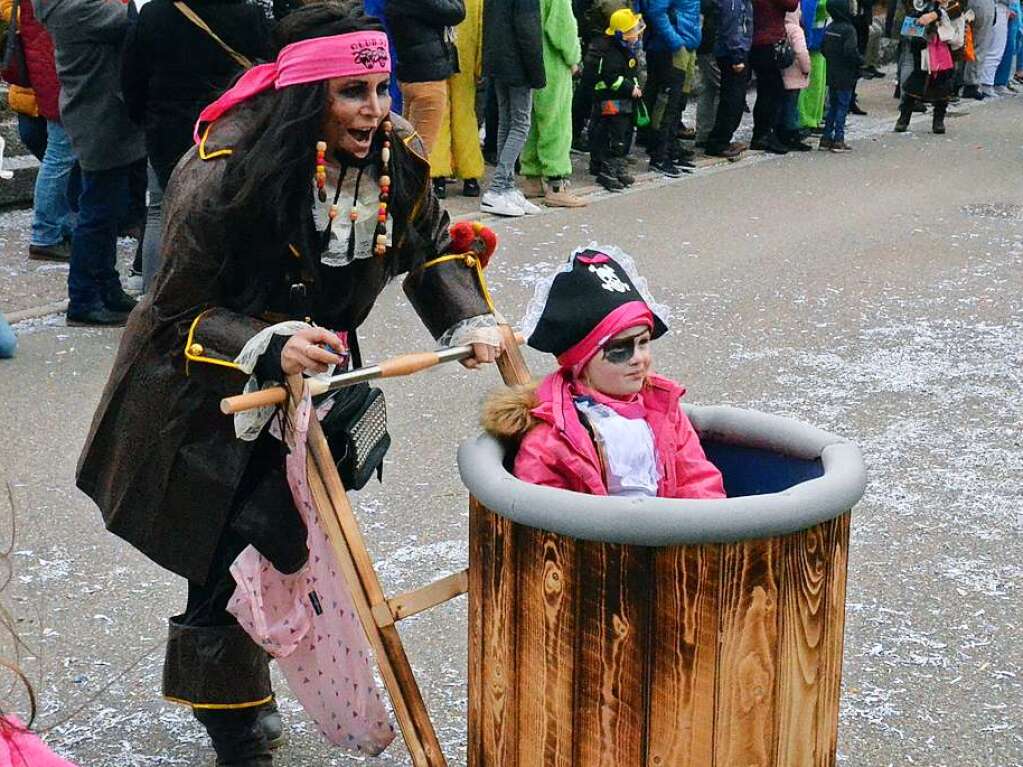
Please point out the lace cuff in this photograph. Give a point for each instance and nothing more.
(481, 329)
(249, 424)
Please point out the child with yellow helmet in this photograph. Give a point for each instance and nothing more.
(611, 65)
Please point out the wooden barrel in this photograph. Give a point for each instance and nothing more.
(656, 632)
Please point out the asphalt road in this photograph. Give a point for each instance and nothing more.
(878, 295)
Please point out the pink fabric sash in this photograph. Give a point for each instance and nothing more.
(307, 61)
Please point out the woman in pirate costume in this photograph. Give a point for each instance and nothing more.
(302, 198)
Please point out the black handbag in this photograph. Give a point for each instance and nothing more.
(356, 429)
(784, 54)
(13, 66)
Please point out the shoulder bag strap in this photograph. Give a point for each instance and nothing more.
(193, 17)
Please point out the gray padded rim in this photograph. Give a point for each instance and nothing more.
(669, 522)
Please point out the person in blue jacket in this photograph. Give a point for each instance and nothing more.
(734, 39)
(672, 27)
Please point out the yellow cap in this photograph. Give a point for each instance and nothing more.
(623, 20)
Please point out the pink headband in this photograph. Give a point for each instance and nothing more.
(307, 61)
(625, 316)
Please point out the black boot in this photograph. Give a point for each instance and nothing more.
(621, 171)
(440, 188)
(905, 114)
(938, 118)
(608, 178)
(237, 736)
(269, 720)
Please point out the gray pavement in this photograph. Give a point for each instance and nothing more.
(878, 295)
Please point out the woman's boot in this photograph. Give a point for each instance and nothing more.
(938, 119)
(237, 736)
(905, 113)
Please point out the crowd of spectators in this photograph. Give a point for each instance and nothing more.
(107, 94)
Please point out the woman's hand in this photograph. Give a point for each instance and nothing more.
(481, 355)
(927, 18)
(303, 351)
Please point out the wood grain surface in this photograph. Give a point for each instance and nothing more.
(499, 735)
(744, 724)
(804, 569)
(834, 641)
(547, 631)
(477, 565)
(614, 605)
(683, 657)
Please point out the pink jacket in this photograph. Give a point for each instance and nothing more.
(797, 76)
(558, 451)
(21, 748)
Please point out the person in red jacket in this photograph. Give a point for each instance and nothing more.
(768, 33)
(603, 423)
(41, 131)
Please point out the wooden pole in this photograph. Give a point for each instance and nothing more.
(356, 567)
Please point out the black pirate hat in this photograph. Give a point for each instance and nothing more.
(595, 282)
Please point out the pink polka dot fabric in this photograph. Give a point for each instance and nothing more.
(307, 621)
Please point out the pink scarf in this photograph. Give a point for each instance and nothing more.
(307, 61)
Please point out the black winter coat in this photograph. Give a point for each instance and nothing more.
(420, 32)
(711, 13)
(840, 47)
(513, 42)
(613, 70)
(171, 69)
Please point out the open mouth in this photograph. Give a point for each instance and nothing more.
(362, 136)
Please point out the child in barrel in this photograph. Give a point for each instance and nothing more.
(603, 423)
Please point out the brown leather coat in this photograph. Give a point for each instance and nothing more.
(161, 461)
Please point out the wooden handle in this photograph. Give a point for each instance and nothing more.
(252, 400)
(407, 364)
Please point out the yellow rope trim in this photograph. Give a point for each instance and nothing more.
(203, 154)
(194, 351)
(219, 706)
(294, 251)
(484, 287)
(472, 262)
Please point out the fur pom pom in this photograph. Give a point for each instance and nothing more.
(506, 412)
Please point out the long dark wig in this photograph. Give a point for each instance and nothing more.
(267, 184)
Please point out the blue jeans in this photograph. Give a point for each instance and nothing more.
(8, 342)
(838, 110)
(104, 204)
(1005, 67)
(788, 115)
(514, 107)
(52, 220)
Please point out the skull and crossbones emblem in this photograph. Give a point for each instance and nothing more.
(609, 280)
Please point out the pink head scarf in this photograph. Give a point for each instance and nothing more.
(306, 61)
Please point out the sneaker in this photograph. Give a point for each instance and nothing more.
(624, 177)
(739, 146)
(527, 207)
(796, 145)
(665, 168)
(440, 188)
(558, 196)
(772, 145)
(609, 182)
(971, 92)
(59, 252)
(500, 204)
(532, 187)
(471, 188)
(133, 285)
(271, 724)
(825, 144)
(1001, 90)
(840, 146)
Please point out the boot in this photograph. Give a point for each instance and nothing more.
(607, 178)
(621, 170)
(938, 118)
(237, 736)
(270, 722)
(905, 114)
(559, 196)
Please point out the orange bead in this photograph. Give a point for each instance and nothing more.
(353, 215)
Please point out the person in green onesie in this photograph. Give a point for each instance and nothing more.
(811, 99)
(545, 160)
